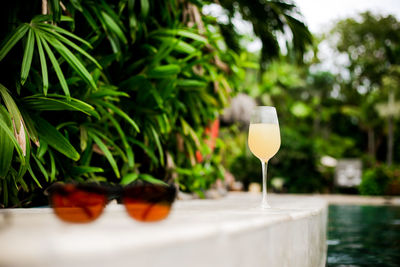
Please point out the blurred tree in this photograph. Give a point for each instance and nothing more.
(321, 84)
(269, 19)
(372, 45)
(390, 109)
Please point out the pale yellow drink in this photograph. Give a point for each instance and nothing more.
(264, 140)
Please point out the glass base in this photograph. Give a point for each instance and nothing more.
(262, 207)
(269, 210)
(265, 206)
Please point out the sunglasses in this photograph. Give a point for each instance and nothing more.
(84, 203)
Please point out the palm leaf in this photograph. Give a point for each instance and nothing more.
(181, 33)
(42, 150)
(190, 83)
(52, 167)
(55, 29)
(110, 11)
(112, 144)
(43, 64)
(113, 27)
(56, 67)
(144, 8)
(133, 23)
(158, 143)
(127, 147)
(12, 107)
(15, 37)
(188, 131)
(59, 102)
(41, 168)
(77, 4)
(106, 152)
(72, 60)
(164, 71)
(129, 178)
(151, 179)
(79, 170)
(34, 176)
(83, 137)
(55, 139)
(91, 20)
(145, 148)
(50, 29)
(104, 93)
(6, 132)
(6, 144)
(28, 54)
(119, 112)
(178, 45)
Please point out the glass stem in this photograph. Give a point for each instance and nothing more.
(264, 202)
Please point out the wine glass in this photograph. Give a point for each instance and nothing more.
(264, 141)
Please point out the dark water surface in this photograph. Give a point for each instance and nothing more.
(364, 236)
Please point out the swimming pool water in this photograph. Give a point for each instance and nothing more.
(363, 236)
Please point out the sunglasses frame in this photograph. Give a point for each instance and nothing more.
(140, 191)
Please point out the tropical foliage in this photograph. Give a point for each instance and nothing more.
(115, 91)
(122, 90)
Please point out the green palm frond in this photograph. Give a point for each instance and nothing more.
(55, 139)
(125, 81)
(58, 102)
(47, 35)
(6, 143)
(107, 153)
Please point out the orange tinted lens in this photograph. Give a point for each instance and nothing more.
(146, 211)
(149, 202)
(78, 206)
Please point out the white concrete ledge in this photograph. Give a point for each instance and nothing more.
(226, 232)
